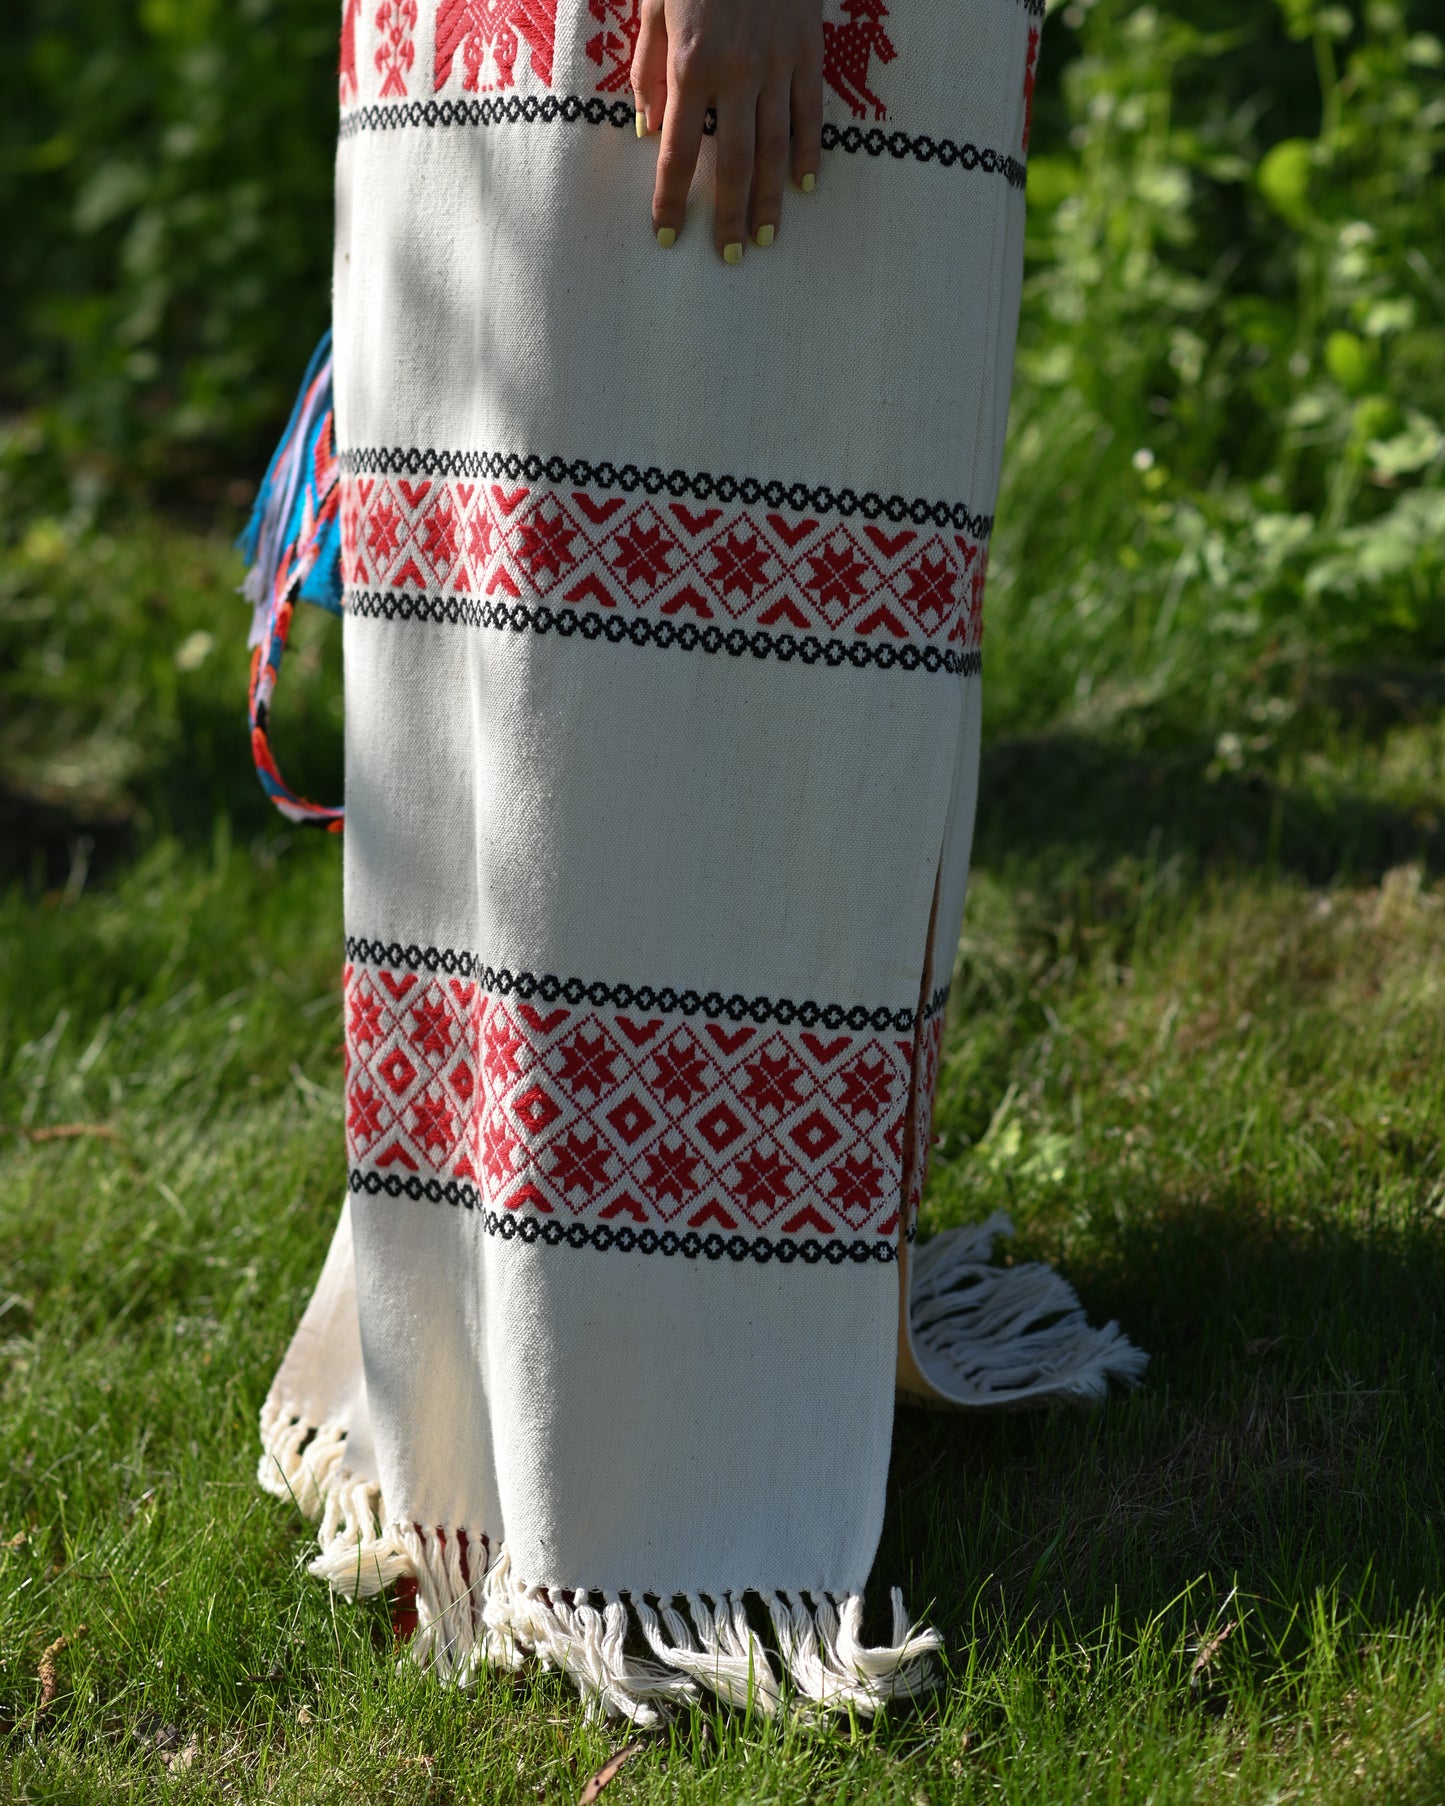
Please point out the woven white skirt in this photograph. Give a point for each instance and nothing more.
(664, 586)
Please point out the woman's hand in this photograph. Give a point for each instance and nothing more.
(759, 64)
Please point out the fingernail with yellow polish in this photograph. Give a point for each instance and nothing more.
(732, 253)
(640, 120)
(808, 181)
(764, 236)
(666, 237)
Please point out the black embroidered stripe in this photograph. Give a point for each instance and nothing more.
(638, 630)
(699, 485)
(510, 109)
(575, 109)
(923, 149)
(577, 991)
(690, 1243)
(937, 1003)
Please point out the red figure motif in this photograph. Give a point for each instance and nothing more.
(849, 49)
(346, 70)
(483, 28)
(1030, 72)
(611, 48)
(396, 21)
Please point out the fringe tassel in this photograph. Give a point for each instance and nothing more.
(292, 546)
(1002, 1336)
(584, 1643)
(720, 1652)
(276, 514)
(823, 1657)
(451, 1571)
(828, 1660)
(983, 1336)
(307, 1462)
(473, 1610)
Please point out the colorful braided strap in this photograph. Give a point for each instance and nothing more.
(292, 544)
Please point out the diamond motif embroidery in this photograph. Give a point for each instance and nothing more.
(596, 1114)
(591, 553)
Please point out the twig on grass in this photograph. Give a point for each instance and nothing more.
(49, 1677)
(609, 1771)
(1207, 1650)
(63, 1131)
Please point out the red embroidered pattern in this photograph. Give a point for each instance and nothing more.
(487, 33)
(929, 1054)
(605, 1116)
(612, 46)
(1030, 73)
(730, 565)
(396, 22)
(346, 64)
(849, 49)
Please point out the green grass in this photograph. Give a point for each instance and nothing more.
(1196, 1044)
(1197, 1047)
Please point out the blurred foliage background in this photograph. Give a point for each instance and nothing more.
(1227, 439)
(165, 200)
(1227, 462)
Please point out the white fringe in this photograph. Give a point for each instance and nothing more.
(824, 1660)
(1007, 1336)
(473, 1611)
(584, 1642)
(307, 1462)
(982, 1336)
(828, 1661)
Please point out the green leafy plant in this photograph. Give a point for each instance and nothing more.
(165, 197)
(1227, 444)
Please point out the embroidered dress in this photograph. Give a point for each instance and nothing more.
(663, 622)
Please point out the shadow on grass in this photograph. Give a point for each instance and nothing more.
(1098, 800)
(210, 772)
(1281, 1440)
(49, 843)
(1093, 803)
(1376, 698)
(1087, 799)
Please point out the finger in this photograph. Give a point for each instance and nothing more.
(649, 70)
(770, 163)
(807, 109)
(737, 129)
(676, 158)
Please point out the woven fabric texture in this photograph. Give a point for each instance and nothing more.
(663, 634)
